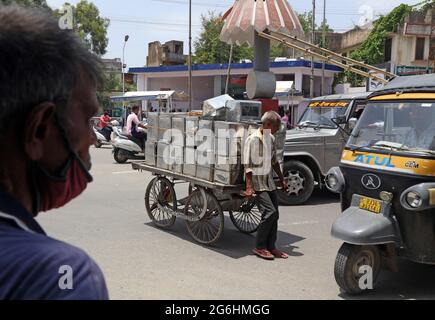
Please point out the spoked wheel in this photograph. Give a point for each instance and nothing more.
(206, 222)
(247, 218)
(348, 263)
(160, 200)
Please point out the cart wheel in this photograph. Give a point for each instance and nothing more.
(247, 218)
(209, 229)
(349, 260)
(160, 200)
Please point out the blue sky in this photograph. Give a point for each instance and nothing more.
(163, 20)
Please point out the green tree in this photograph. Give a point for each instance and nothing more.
(210, 49)
(90, 26)
(372, 49)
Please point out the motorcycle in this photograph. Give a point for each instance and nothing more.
(126, 147)
(103, 136)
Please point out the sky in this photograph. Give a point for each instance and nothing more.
(163, 20)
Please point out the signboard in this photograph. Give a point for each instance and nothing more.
(412, 70)
(329, 104)
(420, 30)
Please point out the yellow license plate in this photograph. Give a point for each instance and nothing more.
(371, 205)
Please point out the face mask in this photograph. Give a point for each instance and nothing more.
(53, 192)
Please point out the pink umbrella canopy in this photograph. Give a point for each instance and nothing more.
(247, 16)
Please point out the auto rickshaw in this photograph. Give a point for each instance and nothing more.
(386, 179)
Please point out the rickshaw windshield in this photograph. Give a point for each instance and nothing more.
(396, 126)
(319, 114)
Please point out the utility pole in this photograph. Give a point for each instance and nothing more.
(322, 89)
(313, 39)
(190, 56)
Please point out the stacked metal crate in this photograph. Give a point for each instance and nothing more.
(152, 139)
(191, 128)
(228, 148)
(205, 153)
(178, 144)
(165, 138)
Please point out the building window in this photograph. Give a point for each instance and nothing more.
(388, 49)
(419, 48)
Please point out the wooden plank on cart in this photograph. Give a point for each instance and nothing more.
(141, 166)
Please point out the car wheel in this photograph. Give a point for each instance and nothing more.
(300, 180)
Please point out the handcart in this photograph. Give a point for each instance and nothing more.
(203, 210)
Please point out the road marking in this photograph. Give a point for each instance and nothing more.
(299, 223)
(124, 172)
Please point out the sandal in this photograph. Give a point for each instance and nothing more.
(279, 254)
(264, 254)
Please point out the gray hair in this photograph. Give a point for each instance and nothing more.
(38, 62)
(271, 117)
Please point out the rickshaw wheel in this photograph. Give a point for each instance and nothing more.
(160, 193)
(349, 260)
(209, 229)
(247, 218)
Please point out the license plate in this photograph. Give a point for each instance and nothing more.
(371, 205)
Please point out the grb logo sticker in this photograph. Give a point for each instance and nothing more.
(66, 280)
(66, 21)
(366, 280)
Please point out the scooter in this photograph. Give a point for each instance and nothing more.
(104, 136)
(126, 147)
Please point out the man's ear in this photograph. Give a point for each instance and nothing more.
(38, 127)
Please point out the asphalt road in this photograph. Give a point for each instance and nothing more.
(141, 262)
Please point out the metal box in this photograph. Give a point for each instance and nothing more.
(215, 108)
(165, 124)
(204, 157)
(191, 130)
(153, 126)
(150, 153)
(162, 163)
(206, 125)
(189, 155)
(228, 177)
(163, 155)
(228, 163)
(189, 169)
(243, 110)
(205, 172)
(230, 147)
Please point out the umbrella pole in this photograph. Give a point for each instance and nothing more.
(229, 69)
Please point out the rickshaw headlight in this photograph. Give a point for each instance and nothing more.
(414, 199)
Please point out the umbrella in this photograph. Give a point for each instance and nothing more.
(247, 16)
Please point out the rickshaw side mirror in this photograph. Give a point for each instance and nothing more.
(352, 123)
(419, 197)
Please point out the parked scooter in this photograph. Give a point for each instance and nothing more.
(126, 147)
(104, 135)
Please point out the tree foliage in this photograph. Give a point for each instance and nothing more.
(210, 49)
(91, 27)
(372, 49)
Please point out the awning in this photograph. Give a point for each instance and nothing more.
(247, 16)
(150, 95)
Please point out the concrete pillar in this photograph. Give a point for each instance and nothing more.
(217, 91)
(298, 81)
